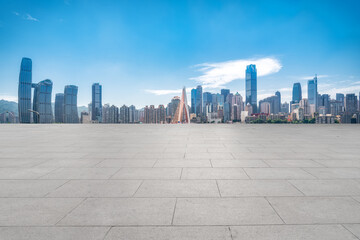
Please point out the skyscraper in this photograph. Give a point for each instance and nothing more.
(341, 98)
(351, 103)
(193, 100)
(59, 108)
(225, 93)
(313, 93)
(96, 103)
(251, 86)
(277, 93)
(70, 104)
(207, 100)
(42, 102)
(24, 90)
(296, 94)
(325, 101)
(199, 100)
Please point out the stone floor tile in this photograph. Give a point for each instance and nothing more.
(148, 173)
(81, 173)
(213, 173)
(291, 232)
(224, 211)
(35, 211)
(28, 188)
(97, 188)
(178, 188)
(53, 233)
(354, 229)
(327, 187)
(121, 211)
(126, 163)
(277, 173)
(244, 188)
(167, 233)
(238, 163)
(180, 163)
(316, 210)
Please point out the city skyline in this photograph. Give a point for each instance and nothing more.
(147, 57)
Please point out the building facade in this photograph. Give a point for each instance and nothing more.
(251, 86)
(70, 104)
(42, 102)
(59, 108)
(313, 93)
(96, 112)
(24, 90)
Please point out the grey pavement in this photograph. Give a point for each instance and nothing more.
(209, 182)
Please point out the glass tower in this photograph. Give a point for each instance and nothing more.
(199, 100)
(278, 94)
(312, 92)
(251, 86)
(42, 102)
(59, 108)
(193, 100)
(296, 94)
(70, 104)
(225, 93)
(24, 91)
(96, 103)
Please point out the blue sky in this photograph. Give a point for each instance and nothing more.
(143, 52)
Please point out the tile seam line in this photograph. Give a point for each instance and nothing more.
(67, 214)
(343, 225)
(173, 216)
(179, 225)
(274, 210)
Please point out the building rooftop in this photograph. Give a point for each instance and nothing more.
(210, 182)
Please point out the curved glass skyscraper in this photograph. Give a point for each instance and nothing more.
(24, 91)
(251, 86)
(42, 102)
(70, 104)
(59, 108)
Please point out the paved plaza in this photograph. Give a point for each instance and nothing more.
(209, 182)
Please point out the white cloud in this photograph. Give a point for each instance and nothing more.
(216, 75)
(311, 77)
(16, 13)
(30, 18)
(163, 92)
(8, 97)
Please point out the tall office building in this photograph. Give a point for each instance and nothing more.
(207, 100)
(278, 94)
(70, 104)
(124, 114)
(225, 93)
(313, 93)
(285, 107)
(340, 98)
(296, 93)
(199, 100)
(273, 104)
(193, 100)
(42, 102)
(325, 102)
(132, 114)
(59, 108)
(251, 86)
(24, 90)
(351, 103)
(96, 103)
